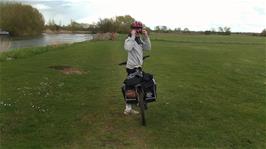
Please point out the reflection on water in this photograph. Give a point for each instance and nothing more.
(4, 43)
(7, 43)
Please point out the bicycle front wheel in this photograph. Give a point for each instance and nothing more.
(142, 107)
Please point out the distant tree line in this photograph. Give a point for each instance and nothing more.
(119, 24)
(20, 19)
(73, 26)
(165, 29)
(220, 31)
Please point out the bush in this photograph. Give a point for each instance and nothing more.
(207, 32)
(20, 20)
(120, 24)
(263, 33)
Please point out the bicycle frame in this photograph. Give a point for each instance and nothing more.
(140, 96)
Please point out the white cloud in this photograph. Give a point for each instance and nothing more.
(41, 6)
(240, 15)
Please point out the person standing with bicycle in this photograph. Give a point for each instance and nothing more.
(136, 42)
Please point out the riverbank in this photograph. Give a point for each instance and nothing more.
(8, 43)
(47, 31)
(28, 52)
(211, 94)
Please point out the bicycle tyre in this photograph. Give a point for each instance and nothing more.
(142, 107)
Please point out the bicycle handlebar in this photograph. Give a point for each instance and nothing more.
(124, 63)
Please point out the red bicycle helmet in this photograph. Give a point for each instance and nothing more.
(136, 24)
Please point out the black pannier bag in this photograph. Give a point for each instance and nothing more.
(148, 83)
(149, 86)
(133, 81)
(128, 88)
(129, 94)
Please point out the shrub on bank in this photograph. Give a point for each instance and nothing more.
(20, 19)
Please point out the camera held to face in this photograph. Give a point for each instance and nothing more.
(138, 30)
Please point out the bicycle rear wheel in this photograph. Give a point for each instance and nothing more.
(142, 107)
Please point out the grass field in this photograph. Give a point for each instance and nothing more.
(211, 94)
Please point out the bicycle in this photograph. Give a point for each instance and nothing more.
(138, 91)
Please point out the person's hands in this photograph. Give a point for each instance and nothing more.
(145, 33)
(133, 33)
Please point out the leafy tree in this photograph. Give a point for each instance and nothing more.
(20, 19)
(220, 29)
(186, 30)
(227, 30)
(224, 30)
(178, 29)
(127, 19)
(106, 25)
(75, 26)
(207, 32)
(263, 33)
(161, 29)
(164, 28)
(52, 25)
(120, 24)
(93, 28)
(157, 28)
(123, 23)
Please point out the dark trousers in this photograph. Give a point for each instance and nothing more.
(129, 71)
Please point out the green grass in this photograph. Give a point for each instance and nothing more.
(211, 94)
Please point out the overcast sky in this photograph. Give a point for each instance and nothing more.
(240, 15)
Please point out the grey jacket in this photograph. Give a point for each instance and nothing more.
(135, 51)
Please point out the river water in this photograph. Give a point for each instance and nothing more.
(7, 43)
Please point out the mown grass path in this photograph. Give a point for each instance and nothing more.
(211, 93)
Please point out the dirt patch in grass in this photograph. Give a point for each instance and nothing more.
(68, 69)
